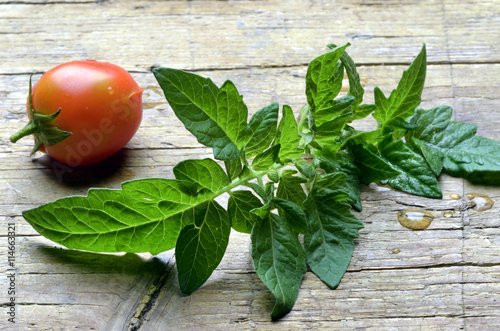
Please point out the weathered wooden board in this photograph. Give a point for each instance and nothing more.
(195, 34)
(446, 277)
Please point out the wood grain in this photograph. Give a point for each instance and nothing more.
(446, 277)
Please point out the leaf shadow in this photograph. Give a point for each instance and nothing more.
(486, 178)
(90, 262)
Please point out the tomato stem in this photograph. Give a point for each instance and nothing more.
(39, 126)
(30, 128)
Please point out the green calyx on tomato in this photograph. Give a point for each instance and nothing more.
(82, 112)
(39, 126)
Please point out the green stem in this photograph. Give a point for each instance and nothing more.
(309, 185)
(30, 128)
(251, 175)
(40, 126)
(260, 181)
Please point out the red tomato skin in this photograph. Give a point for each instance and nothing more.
(101, 104)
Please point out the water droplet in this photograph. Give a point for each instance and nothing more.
(395, 251)
(415, 219)
(448, 213)
(455, 196)
(482, 202)
(110, 90)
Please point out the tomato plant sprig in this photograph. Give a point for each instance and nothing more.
(284, 178)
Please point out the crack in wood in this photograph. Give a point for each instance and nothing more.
(264, 66)
(149, 299)
(427, 267)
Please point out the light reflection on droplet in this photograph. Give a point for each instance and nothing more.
(379, 187)
(395, 251)
(455, 196)
(482, 202)
(448, 213)
(415, 219)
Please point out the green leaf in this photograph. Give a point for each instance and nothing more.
(288, 137)
(362, 111)
(434, 157)
(279, 260)
(328, 241)
(232, 113)
(292, 213)
(328, 131)
(342, 162)
(355, 137)
(146, 215)
(239, 208)
(474, 158)
(429, 122)
(258, 189)
(269, 189)
(373, 168)
(305, 169)
(453, 146)
(355, 88)
(233, 168)
(273, 175)
(416, 177)
(306, 119)
(320, 79)
(403, 101)
(204, 173)
(246, 171)
(215, 116)
(337, 108)
(454, 134)
(266, 159)
(400, 125)
(308, 141)
(262, 212)
(332, 185)
(290, 187)
(336, 85)
(201, 246)
(352, 173)
(263, 129)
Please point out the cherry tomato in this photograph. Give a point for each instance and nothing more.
(100, 104)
